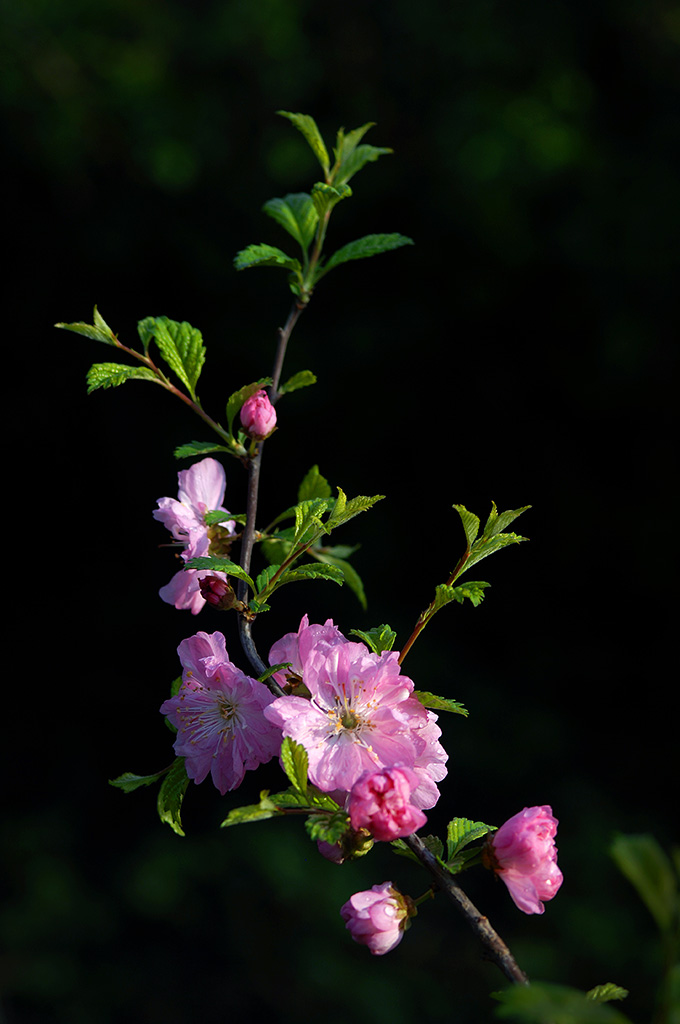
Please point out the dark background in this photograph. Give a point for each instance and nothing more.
(523, 351)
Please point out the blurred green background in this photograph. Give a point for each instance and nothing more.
(523, 351)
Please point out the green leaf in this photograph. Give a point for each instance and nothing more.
(129, 782)
(646, 866)
(264, 255)
(314, 485)
(350, 575)
(308, 127)
(470, 524)
(253, 812)
(350, 157)
(362, 248)
(432, 843)
(325, 197)
(193, 448)
(295, 764)
(112, 375)
(97, 331)
(215, 564)
(497, 522)
(237, 399)
(327, 828)
(180, 344)
(378, 638)
(313, 571)
(264, 578)
(461, 831)
(605, 993)
(473, 592)
(302, 379)
(431, 700)
(297, 214)
(307, 519)
(171, 796)
(540, 1002)
(345, 510)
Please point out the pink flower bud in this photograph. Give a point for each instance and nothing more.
(258, 415)
(380, 801)
(522, 852)
(377, 917)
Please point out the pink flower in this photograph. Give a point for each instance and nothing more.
(201, 490)
(295, 647)
(218, 714)
(361, 716)
(258, 415)
(522, 852)
(381, 802)
(377, 917)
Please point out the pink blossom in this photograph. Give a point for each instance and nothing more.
(361, 716)
(258, 415)
(218, 714)
(380, 801)
(201, 490)
(295, 647)
(522, 852)
(377, 917)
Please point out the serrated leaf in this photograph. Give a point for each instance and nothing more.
(264, 578)
(264, 255)
(97, 331)
(431, 700)
(432, 843)
(295, 213)
(378, 638)
(253, 812)
(473, 592)
(214, 564)
(128, 782)
(540, 1002)
(314, 485)
(307, 516)
(461, 831)
(302, 379)
(647, 867)
(484, 547)
(361, 156)
(308, 127)
(345, 510)
(497, 522)
(237, 399)
(605, 993)
(112, 375)
(362, 248)
(470, 524)
(313, 571)
(295, 764)
(171, 795)
(325, 197)
(193, 448)
(327, 828)
(180, 344)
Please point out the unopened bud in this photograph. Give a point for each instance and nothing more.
(217, 592)
(258, 415)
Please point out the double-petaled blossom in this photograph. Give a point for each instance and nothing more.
(258, 415)
(377, 917)
(201, 490)
(380, 801)
(360, 714)
(218, 714)
(522, 852)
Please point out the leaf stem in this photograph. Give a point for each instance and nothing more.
(425, 616)
(494, 947)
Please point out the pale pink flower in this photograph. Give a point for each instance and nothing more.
(218, 714)
(258, 415)
(377, 917)
(201, 489)
(295, 647)
(361, 716)
(380, 801)
(522, 852)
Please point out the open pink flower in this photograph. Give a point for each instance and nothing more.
(522, 852)
(380, 801)
(201, 490)
(295, 647)
(361, 716)
(218, 713)
(377, 917)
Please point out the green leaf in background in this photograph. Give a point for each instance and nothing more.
(646, 866)
(112, 375)
(325, 197)
(314, 485)
(214, 564)
(308, 127)
(540, 1003)
(264, 255)
(99, 330)
(128, 782)
(302, 379)
(297, 214)
(350, 575)
(378, 638)
(461, 831)
(180, 344)
(171, 796)
(431, 700)
(605, 993)
(362, 248)
(236, 400)
(295, 763)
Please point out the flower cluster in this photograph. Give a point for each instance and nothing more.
(522, 852)
(201, 490)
